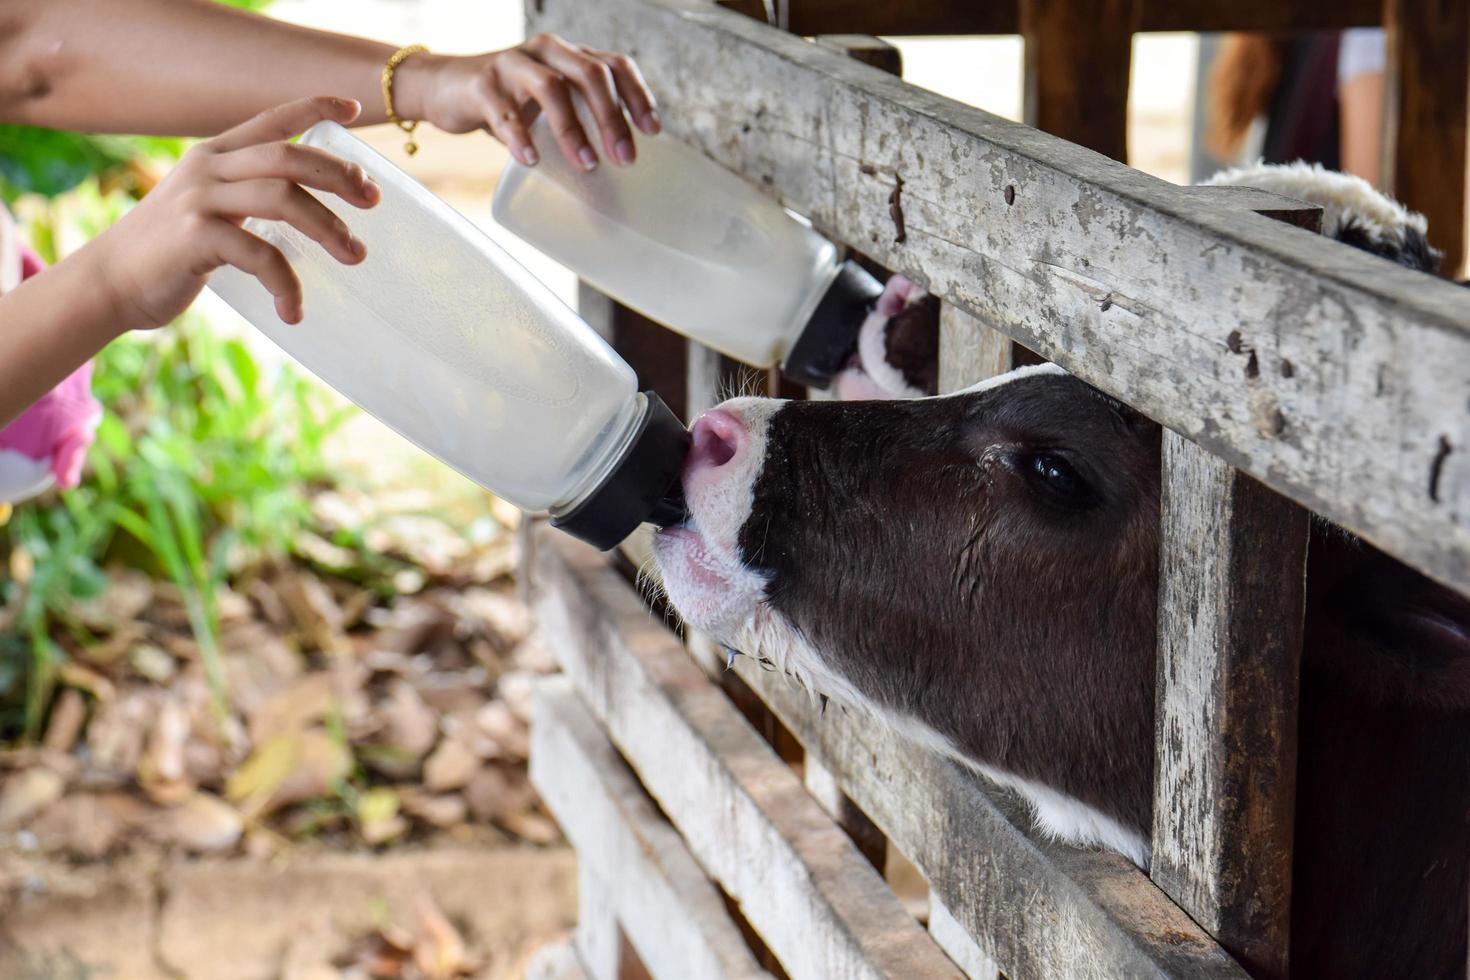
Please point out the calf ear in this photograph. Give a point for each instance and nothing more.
(1389, 630)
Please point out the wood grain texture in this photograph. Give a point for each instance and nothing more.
(1231, 595)
(820, 906)
(957, 944)
(1079, 54)
(670, 912)
(822, 786)
(969, 351)
(1428, 86)
(1129, 282)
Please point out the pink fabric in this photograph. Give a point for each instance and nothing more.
(60, 426)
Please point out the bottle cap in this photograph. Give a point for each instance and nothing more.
(643, 486)
(832, 332)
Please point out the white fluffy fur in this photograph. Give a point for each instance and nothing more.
(1338, 194)
(873, 353)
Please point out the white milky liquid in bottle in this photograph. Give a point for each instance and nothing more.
(449, 341)
(691, 245)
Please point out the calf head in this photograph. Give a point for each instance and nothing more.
(978, 571)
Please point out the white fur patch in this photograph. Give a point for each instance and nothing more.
(1339, 195)
(700, 566)
(873, 353)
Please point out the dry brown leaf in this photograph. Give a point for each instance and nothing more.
(161, 771)
(68, 716)
(153, 663)
(314, 610)
(231, 607)
(73, 674)
(501, 618)
(534, 655)
(378, 818)
(26, 794)
(288, 768)
(272, 606)
(82, 825)
(450, 767)
(416, 625)
(517, 690)
(495, 791)
(438, 950)
(532, 827)
(127, 594)
(201, 823)
(437, 811)
(453, 691)
(118, 730)
(498, 723)
(408, 723)
(116, 646)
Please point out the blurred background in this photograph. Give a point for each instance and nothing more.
(264, 675)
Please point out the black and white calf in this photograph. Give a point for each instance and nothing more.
(979, 572)
(897, 353)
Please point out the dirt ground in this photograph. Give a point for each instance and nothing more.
(306, 916)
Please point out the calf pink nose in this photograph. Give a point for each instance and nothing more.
(719, 436)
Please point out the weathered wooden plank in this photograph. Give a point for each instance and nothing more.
(822, 785)
(900, 18)
(667, 908)
(1138, 287)
(973, 961)
(1231, 596)
(555, 961)
(969, 351)
(1265, 203)
(745, 816)
(1428, 100)
(1078, 57)
(1041, 909)
(598, 942)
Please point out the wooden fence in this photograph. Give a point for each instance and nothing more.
(726, 825)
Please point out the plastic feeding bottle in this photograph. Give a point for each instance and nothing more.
(693, 246)
(444, 337)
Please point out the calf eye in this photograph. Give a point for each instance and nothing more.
(1057, 479)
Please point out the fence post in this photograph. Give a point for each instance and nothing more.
(1425, 119)
(1077, 61)
(1231, 594)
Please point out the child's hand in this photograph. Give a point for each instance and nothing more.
(157, 258)
(504, 91)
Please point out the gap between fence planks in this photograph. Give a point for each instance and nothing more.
(673, 916)
(1156, 296)
(815, 901)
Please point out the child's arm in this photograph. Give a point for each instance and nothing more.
(195, 68)
(146, 269)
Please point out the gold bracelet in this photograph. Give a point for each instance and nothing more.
(399, 56)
